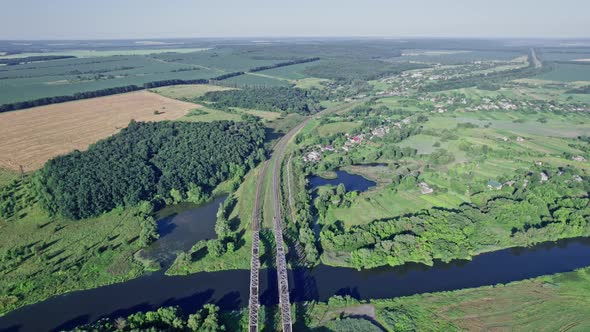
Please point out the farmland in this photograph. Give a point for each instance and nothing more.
(68, 77)
(471, 148)
(31, 137)
(187, 92)
(104, 53)
(25, 82)
(567, 72)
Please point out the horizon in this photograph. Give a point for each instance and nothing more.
(156, 19)
(320, 37)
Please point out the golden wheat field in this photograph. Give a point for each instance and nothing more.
(30, 137)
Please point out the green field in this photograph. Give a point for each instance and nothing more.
(69, 76)
(206, 114)
(549, 303)
(337, 127)
(562, 72)
(43, 256)
(294, 72)
(187, 92)
(46, 79)
(254, 80)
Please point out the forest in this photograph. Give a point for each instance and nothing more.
(346, 70)
(173, 161)
(273, 99)
(529, 211)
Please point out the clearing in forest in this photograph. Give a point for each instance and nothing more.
(188, 91)
(29, 138)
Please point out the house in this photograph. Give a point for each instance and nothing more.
(380, 131)
(579, 158)
(312, 156)
(519, 139)
(355, 139)
(577, 178)
(425, 188)
(492, 184)
(544, 177)
(328, 147)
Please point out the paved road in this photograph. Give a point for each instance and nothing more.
(536, 61)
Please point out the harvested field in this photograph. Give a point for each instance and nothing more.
(29, 138)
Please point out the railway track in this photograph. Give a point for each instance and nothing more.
(253, 302)
(281, 261)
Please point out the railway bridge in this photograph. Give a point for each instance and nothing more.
(281, 261)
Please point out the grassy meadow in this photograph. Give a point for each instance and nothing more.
(42, 256)
(550, 303)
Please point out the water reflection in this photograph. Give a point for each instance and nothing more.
(180, 227)
(352, 182)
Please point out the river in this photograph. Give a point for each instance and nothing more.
(229, 289)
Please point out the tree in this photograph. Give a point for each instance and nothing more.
(215, 247)
(222, 228)
(341, 190)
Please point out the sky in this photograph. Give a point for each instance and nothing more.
(133, 19)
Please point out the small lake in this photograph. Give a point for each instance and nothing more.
(229, 289)
(352, 182)
(180, 227)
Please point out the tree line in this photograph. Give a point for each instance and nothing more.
(206, 319)
(283, 64)
(272, 99)
(29, 59)
(172, 161)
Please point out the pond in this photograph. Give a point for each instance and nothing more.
(180, 227)
(229, 289)
(352, 182)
